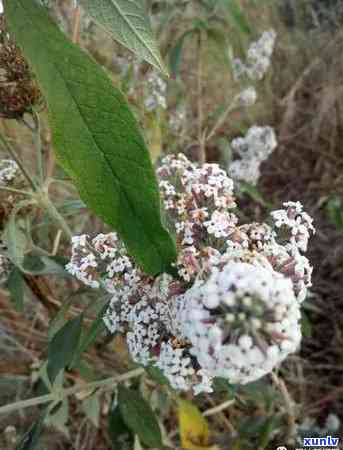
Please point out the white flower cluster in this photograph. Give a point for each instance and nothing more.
(253, 149)
(8, 170)
(177, 119)
(297, 222)
(242, 321)
(102, 261)
(234, 310)
(247, 97)
(157, 92)
(258, 58)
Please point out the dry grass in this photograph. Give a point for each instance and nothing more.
(303, 99)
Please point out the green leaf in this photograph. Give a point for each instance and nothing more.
(58, 418)
(33, 263)
(15, 239)
(237, 15)
(157, 375)
(176, 54)
(306, 325)
(97, 327)
(127, 22)
(91, 407)
(218, 39)
(62, 347)
(139, 417)
(334, 209)
(42, 265)
(252, 191)
(266, 432)
(15, 285)
(30, 439)
(222, 385)
(95, 136)
(120, 435)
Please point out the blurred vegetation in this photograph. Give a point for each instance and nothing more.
(302, 98)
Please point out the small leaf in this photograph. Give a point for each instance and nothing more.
(15, 239)
(237, 15)
(127, 22)
(58, 418)
(222, 385)
(219, 41)
(253, 193)
(91, 407)
(15, 285)
(121, 436)
(306, 325)
(30, 439)
(176, 53)
(62, 347)
(97, 327)
(95, 135)
(139, 417)
(157, 375)
(334, 210)
(265, 434)
(33, 263)
(42, 265)
(194, 430)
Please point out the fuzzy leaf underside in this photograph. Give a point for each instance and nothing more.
(95, 136)
(127, 22)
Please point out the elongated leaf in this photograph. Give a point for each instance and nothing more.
(62, 347)
(59, 418)
(334, 210)
(219, 46)
(42, 265)
(237, 15)
(126, 21)
(175, 55)
(97, 327)
(91, 407)
(15, 285)
(253, 192)
(139, 417)
(121, 436)
(30, 439)
(95, 136)
(157, 375)
(15, 239)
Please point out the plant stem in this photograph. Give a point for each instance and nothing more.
(289, 406)
(52, 211)
(107, 383)
(201, 140)
(220, 121)
(15, 157)
(76, 24)
(38, 145)
(16, 191)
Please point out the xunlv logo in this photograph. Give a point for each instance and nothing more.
(327, 441)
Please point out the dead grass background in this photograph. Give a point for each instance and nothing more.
(302, 98)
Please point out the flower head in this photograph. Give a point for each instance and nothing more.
(242, 321)
(8, 170)
(234, 309)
